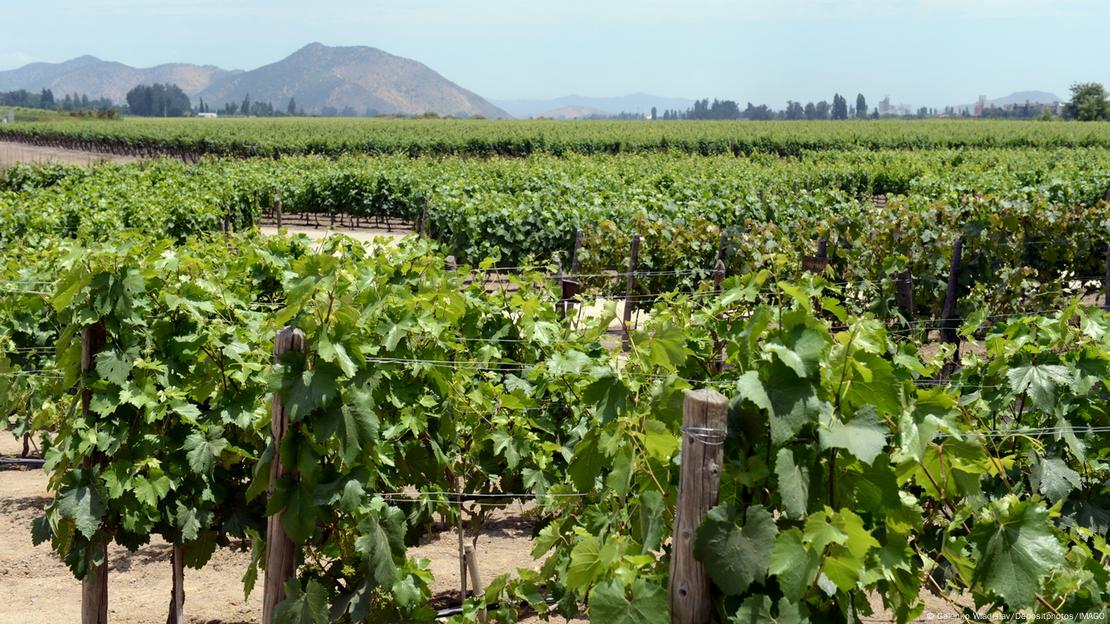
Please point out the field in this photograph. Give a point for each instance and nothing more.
(898, 334)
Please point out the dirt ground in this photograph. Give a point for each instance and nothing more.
(12, 153)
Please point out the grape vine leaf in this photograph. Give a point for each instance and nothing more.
(735, 557)
(82, 504)
(1054, 478)
(610, 604)
(757, 610)
(794, 564)
(793, 485)
(302, 607)
(1017, 550)
(202, 449)
(863, 436)
(1039, 381)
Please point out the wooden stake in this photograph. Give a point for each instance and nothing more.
(281, 555)
(94, 587)
(903, 295)
(472, 566)
(633, 264)
(177, 592)
(277, 210)
(704, 415)
(574, 252)
(1106, 284)
(948, 332)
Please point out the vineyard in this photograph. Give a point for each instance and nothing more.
(192, 138)
(793, 385)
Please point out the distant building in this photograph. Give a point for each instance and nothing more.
(980, 105)
(207, 115)
(9, 116)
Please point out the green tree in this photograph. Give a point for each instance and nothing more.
(1088, 102)
(861, 107)
(291, 109)
(839, 107)
(245, 107)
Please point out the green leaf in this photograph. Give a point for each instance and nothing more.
(374, 546)
(735, 557)
(608, 395)
(795, 403)
(585, 563)
(1054, 478)
(307, 607)
(337, 354)
(83, 505)
(150, 491)
(651, 520)
(793, 485)
(750, 388)
(1039, 381)
(569, 363)
(667, 348)
(202, 449)
(757, 610)
(863, 436)
(112, 366)
(1017, 549)
(794, 564)
(610, 603)
(298, 517)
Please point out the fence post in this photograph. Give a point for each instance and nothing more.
(633, 264)
(1106, 283)
(903, 293)
(277, 210)
(703, 432)
(281, 556)
(948, 332)
(94, 587)
(177, 591)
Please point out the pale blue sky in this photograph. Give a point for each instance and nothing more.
(920, 52)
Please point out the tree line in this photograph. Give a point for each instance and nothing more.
(46, 100)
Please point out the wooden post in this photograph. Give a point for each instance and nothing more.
(1106, 283)
(633, 264)
(704, 414)
(177, 591)
(949, 321)
(281, 556)
(903, 293)
(472, 567)
(574, 252)
(94, 587)
(277, 210)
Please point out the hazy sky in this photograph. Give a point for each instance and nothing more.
(920, 52)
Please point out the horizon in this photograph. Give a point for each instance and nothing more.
(920, 53)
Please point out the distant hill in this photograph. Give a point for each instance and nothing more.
(573, 112)
(1021, 97)
(634, 103)
(96, 78)
(356, 79)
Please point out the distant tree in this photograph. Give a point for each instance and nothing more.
(653, 115)
(822, 109)
(1088, 102)
(861, 107)
(839, 107)
(158, 100)
(811, 111)
(46, 99)
(291, 109)
(245, 107)
(794, 111)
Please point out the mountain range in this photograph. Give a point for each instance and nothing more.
(358, 79)
(576, 106)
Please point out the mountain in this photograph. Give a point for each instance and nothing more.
(634, 103)
(360, 79)
(1021, 97)
(573, 112)
(96, 78)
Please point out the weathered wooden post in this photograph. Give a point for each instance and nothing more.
(177, 590)
(704, 414)
(630, 282)
(1106, 282)
(903, 293)
(94, 587)
(277, 210)
(281, 556)
(948, 333)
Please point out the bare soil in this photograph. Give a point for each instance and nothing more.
(12, 153)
